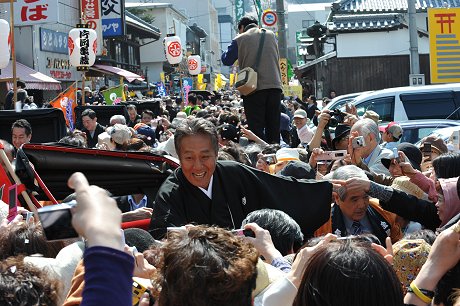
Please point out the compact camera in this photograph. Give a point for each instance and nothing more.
(332, 155)
(336, 117)
(396, 155)
(358, 142)
(244, 232)
(456, 140)
(427, 150)
(56, 221)
(270, 159)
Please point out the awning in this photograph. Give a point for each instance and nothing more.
(128, 75)
(32, 78)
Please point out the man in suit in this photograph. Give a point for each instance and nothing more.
(91, 127)
(135, 207)
(355, 213)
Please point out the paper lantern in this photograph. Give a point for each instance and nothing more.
(173, 49)
(194, 64)
(5, 40)
(82, 46)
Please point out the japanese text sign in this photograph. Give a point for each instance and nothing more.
(53, 41)
(284, 69)
(30, 12)
(444, 29)
(112, 17)
(239, 9)
(92, 16)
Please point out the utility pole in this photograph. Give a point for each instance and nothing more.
(414, 57)
(281, 28)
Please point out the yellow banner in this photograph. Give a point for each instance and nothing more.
(218, 84)
(293, 90)
(162, 77)
(284, 71)
(232, 79)
(444, 28)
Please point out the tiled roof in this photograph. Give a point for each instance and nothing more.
(365, 22)
(374, 6)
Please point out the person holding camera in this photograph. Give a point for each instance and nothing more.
(364, 147)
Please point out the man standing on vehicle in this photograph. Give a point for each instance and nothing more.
(262, 108)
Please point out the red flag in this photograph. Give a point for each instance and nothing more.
(66, 101)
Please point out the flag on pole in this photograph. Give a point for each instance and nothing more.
(199, 82)
(218, 82)
(113, 95)
(232, 79)
(66, 102)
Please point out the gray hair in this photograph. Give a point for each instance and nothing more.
(120, 119)
(367, 126)
(347, 172)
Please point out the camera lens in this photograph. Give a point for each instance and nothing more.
(333, 122)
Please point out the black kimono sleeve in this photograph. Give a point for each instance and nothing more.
(165, 210)
(414, 209)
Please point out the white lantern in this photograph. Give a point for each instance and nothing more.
(4, 43)
(173, 49)
(82, 46)
(194, 64)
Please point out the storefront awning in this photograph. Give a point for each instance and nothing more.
(128, 75)
(32, 78)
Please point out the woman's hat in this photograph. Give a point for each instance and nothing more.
(341, 131)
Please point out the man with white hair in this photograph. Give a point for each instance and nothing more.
(369, 155)
(354, 213)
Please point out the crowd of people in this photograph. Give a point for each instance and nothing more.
(260, 212)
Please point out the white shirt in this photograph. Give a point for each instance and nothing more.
(208, 192)
(304, 133)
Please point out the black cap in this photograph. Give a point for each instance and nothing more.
(228, 132)
(298, 169)
(411, 151)
(340, 131)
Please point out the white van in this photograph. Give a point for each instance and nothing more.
(409, 103)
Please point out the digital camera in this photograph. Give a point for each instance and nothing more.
(336, 117)
(358, 142)
(56, 221)
(332, 155)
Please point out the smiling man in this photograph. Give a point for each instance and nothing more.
(205, 191)
(354, 213)
(21, 133)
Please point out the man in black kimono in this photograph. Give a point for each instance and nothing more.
(205, 191)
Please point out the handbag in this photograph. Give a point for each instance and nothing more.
(246, 81)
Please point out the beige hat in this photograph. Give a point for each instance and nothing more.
(405, 185)
(372, 115)
(119, 133)
(300, 113)
(286, 154)
(409, 257)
